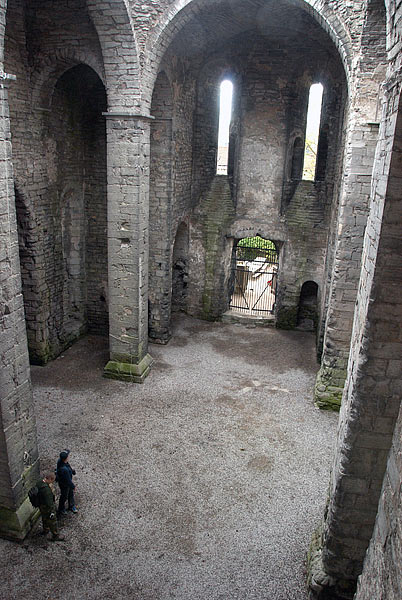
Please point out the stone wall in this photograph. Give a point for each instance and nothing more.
(361, 140)
(19, 461)
(371, 400)
(160, 210)
(58, 131)
(381, 577)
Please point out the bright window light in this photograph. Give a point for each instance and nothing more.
(312, 131)
(225, 113)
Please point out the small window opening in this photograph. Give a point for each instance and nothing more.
(225, 114)
(312, 131)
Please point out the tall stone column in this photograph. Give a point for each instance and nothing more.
(19, 461)
(352, 219)
(128, 190)
(372, 396)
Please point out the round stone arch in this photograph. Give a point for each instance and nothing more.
(112, 21)
(177, 15)
(53, 66)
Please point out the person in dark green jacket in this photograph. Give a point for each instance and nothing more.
(47, 507)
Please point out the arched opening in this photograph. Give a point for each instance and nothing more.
(225, 114)
(180, 269)
(256, 263)
(307, 310)
(69, 294)
(312, 131)
(78, 130)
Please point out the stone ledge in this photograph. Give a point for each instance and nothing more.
(135, 373)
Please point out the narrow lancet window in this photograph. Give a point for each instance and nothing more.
(225, 113)
(312, 131)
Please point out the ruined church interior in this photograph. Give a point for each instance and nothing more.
(124, 206)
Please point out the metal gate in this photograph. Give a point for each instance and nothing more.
(255, 277)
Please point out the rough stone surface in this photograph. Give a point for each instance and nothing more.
(206, 481)
(120, 223)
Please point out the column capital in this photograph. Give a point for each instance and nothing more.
(128, 115)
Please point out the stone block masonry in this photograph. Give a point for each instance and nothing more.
(128, 198)
(19, 462)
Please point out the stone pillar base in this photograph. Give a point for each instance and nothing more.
(328, 389)
(16, 524)
(123, 371)
(323, 586)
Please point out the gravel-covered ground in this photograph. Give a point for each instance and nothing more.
(204, 483)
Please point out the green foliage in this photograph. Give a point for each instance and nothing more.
(250, 248)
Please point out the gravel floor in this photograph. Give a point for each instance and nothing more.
(204, 483)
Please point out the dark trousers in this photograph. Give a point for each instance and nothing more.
(66, 493)
(48, 519)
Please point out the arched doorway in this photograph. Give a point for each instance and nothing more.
(255, 276)
(307, 313)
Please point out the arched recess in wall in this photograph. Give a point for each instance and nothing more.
(180, 269)
(176, 16)
(160, 210)
(206, 149)
(307, 314)
(75, 208)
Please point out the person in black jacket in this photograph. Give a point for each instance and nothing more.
(64, 474)
(47, 507)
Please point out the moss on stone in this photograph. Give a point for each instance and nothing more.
(328, 389)
(218, 213)
(135, 373)
(287, 318)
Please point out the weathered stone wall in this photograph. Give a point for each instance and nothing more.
(55, 142)
(371, 400)
(381, 577)
(19, 462)
(160, 210)
(180, 268)
(361, 140)
(170, 184)
(259, 159)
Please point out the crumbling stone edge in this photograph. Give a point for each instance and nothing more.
(321, 585)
